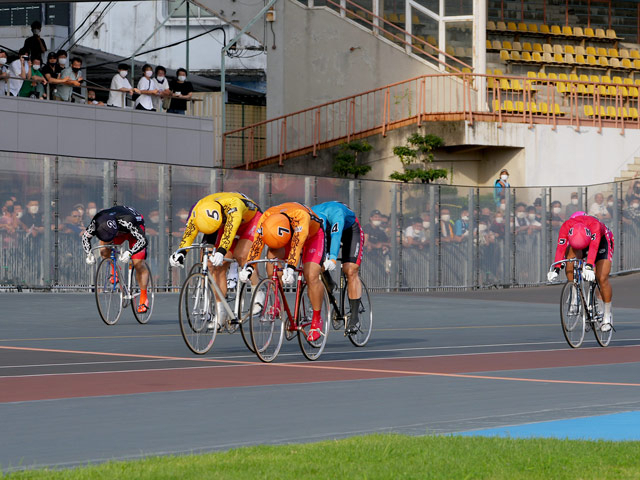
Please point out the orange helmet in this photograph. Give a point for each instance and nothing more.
(276, 230)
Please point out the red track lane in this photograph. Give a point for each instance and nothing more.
(92, 384)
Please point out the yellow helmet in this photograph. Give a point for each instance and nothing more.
(208, 217)
(276, 230)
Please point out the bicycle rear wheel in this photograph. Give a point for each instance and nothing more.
(108, 291)
(195, 311)
(365, 315)
(266, 325)
(142, 317)
(597, 309)
(572, 315)
(243, 314)
(312, 350)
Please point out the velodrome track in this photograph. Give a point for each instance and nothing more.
(73, 390)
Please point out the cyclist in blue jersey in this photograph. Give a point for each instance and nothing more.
(342, 227)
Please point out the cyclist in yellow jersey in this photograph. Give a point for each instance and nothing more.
(229, 221)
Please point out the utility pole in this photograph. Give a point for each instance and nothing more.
(188, 22)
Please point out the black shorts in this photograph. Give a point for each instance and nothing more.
(605, 249)
(352, 242)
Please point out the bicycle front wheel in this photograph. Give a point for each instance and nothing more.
(365, 315)
(195, 311)
(572, 315)
(244, 302)
(312, 349)
(266, 325)
(143, 317)
(597, 310)
(108, 291)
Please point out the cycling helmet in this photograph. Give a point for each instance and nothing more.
(579, 213)
(208, 217)
(579, 236)
(106, 228)
(276, 230)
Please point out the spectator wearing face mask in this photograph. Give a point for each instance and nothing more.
(162, 100)
(32, 219)
(120, 86)
(51, 72)
(18, 71)
(521, 222)
(485, 235)
(146, 87)
(573, 206)
(71, 77)
(556, 214)
(446, 226)
(500, 186)
(414, 234)
(34, 44)
(498, 225)
(182, 91)
(598, 208)
(632, 212)
(633, 192)
(375, 237)
(92, 100)
(532, 217)
(89, 213)
(33, 86)
(462, 225)
(4, 73)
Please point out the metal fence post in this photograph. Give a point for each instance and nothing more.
(107, 184)
(545, 234)
(507, 245)
(469, 280)
(215, 179)
(164, 271)
(308, 190)
(262, 190)
(47, 248)
(617, 228)
(433, 236)
(352, 196)
(115, 183)
(56, 218)
(395, 257)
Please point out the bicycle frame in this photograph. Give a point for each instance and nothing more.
(578, 265)
(332, 299)
(126, 287)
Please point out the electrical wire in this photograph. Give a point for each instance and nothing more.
(106, 9)
(79, 26)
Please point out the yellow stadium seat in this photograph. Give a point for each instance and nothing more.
(496, 105)
(588, 110)
(516, 85)
(616, 80)
(612, 52)
(432, 40)
(634, 54)
(603, 62)
(401, 18)
(552, 76)
(584, 78)
(504, 84)
(526, 57)
(558, 58)
(536, 57)
(450, 50)
(580, 59)
(591, 51)
(627, 81)
(490, 82)
(626, 63)
(522, 27)
(562, 88)
(508, 106)
(526, 47)
(614, 63)
(624, 53)
(581, 89)
(612, 91)
(393, 18)
(555, 30)
(605, 79)
(545, 29)
(588, 32)
(543, 108)
(600, 112)
(547, 48)
(624, 91)
(569, 49)
(633, 113)
(511, 26)
(611, 112)
(538, 48)
(515, 56)
(504, 56)
(577, 32)
(580, 50)
(532, 76)
(507, 45)
(491, 25)
(516, 46)
(611, 34)
(519, 106)
(591, 60)
(532, 27)
(636, 64)
(633, 92)
(600, 33)
(566, 30)
(556, 110)
(601, 52)
(568, 59)
(594, 78)
(489, 46)
(602, 90)
(557, 49)
(497, 71)
(501, 26)
(563, 77)
(573, 77)
(547, 58)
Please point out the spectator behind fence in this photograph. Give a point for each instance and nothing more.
(8, 223)
(146, 87)
(485, 236)
(33, 86)
(71, 77)
(632, 212)
(375, 238)
(500, 186)
(461, 229)
(556, 214)
(4, 73)
(163, 99)
(119, 87)
(532, 216)
(183, 90)
(32, 218)
(633, 192)
(446, 226)
(521, 222)
(598, 208)
(34, 44)
(18, 71)
(90, 212)
(498, 225)
(414, 234)
(537, 204)
(50, 72)
(153, 226)
(91, 98)
(73, 223)
(573, 206)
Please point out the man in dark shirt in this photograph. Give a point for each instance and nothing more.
(32, 219)
(51, 70)
(35, 44)
(375, 237)
(183, 89)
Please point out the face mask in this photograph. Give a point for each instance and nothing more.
(532, 216)
(123, 73)
(504, 177)
(574, 201)
(499, 219)
(445, 218)
(18, 214)
(557, 210)
(181, 78)
(75, 70)
(610, 204)
(183, 216)
(376, 223)
(154, 219)
(92, 211)
(36, 67)
(482, 227)
(465, 218)
(160, 78)
(503, 206)
(635, 205)
(426, 224)
(148, 73)
(36, 31)
(521, 214)
(33, 209)
(62, 61)
(3, 61)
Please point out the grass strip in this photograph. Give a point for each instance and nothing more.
(381, 456)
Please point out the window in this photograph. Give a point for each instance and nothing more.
(194, 11)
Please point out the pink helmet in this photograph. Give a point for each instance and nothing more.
(579, 236)
(579, 213)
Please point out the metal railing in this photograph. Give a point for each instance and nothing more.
(472, 248)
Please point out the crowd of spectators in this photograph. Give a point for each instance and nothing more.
(61, 79)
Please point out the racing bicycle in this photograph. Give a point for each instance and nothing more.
(581, 307)
(273, 321)
(113, 295)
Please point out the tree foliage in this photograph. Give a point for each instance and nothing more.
(415, 156)
(347, 160)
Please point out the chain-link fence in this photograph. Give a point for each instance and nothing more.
(418, 236)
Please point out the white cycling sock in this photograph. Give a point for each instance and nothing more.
(607, 309)
(221, 313)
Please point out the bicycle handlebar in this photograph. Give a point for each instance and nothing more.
(108, 245)
(566, 260)
(199, 245)
(270, 260)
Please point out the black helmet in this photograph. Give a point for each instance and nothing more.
(107, 228)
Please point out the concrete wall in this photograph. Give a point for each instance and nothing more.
(57, 128)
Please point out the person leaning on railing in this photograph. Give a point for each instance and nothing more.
(120, 86)
(4, 72)
(181, 89)
(33, 86)
(148, 90)
(71, 77)
(18, 72)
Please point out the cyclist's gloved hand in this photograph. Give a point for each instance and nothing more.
(177, 259)
(588, 274)
(125, 256)
(217, 260)
(91, 258)
(329, 265)
(553, 274)
(245, 274)
(288, 275)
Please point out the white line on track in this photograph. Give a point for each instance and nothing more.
(80, 363)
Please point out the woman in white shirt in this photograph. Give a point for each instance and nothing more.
(120, 86)
(148, 90)
(162, 86)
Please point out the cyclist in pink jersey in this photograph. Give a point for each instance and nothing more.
(583, 235)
